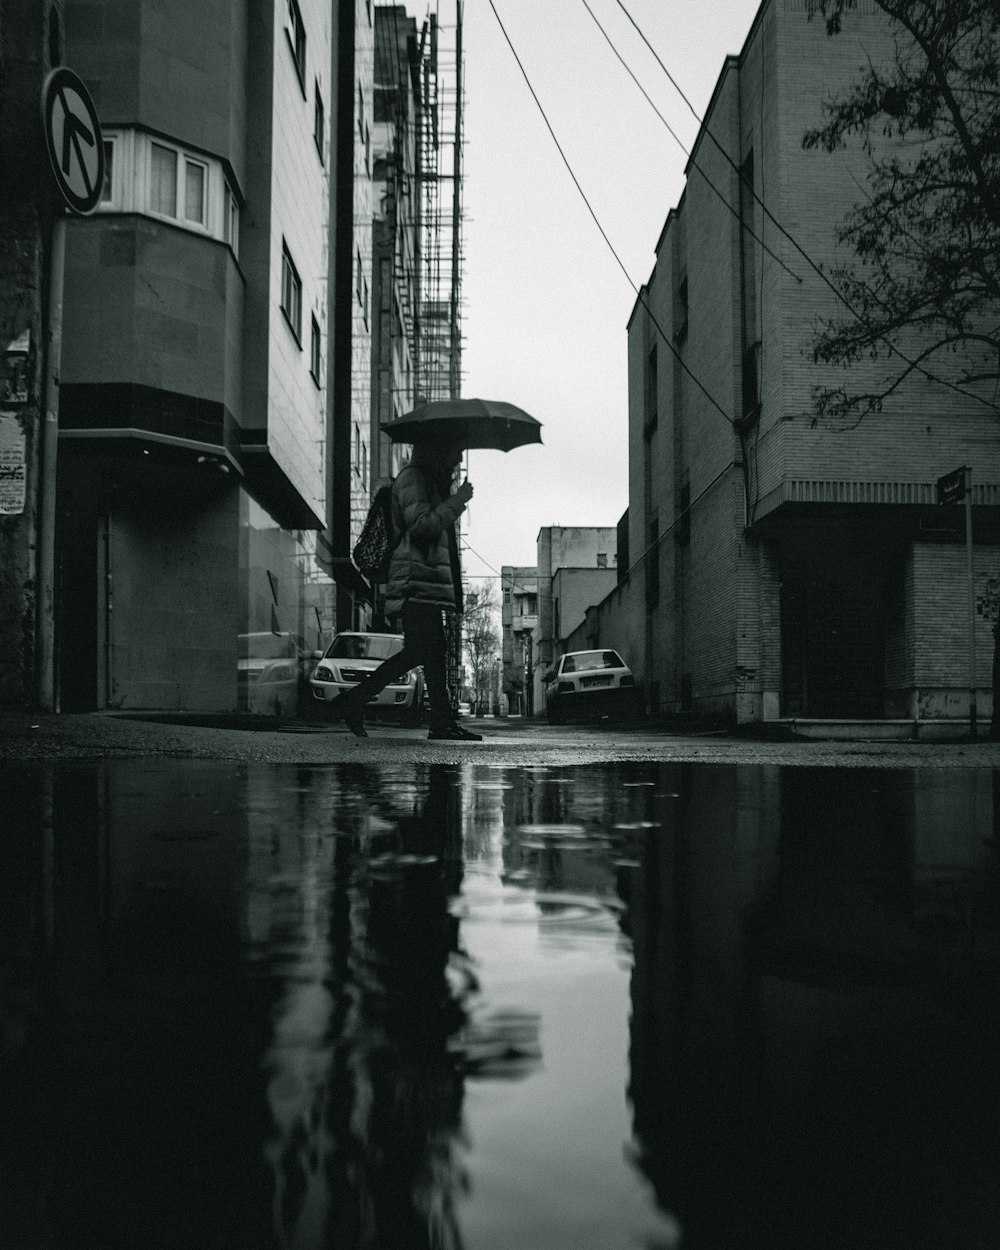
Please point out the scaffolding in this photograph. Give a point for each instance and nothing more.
(440, 260)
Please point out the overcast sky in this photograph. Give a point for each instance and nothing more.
(545, 302)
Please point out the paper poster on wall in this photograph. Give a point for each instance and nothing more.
(12, 465)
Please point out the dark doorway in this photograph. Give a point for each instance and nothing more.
(76, 633)
(832, 626)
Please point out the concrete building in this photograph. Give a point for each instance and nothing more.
(518, 620)
(350, 396)
(193, 416)
(397, 108)
(576, 567)
(784, 565)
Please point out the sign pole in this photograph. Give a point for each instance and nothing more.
(45, 597)
(75, 147)
(970, 569)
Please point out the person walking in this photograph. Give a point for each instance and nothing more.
(424, 581)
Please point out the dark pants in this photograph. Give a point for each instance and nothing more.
(423, 644)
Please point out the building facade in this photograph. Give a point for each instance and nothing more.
(576, 567)
(193, 405)
(518, 620)
(784, 564)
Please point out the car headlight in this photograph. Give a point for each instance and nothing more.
(323, 673)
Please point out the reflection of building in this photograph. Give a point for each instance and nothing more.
(576, 568)
(793, 933)
(193, 388)
(518, 618)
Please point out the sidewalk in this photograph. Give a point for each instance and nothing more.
(513, 742)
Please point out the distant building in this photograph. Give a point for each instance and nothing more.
(518, 619)
(577, 567)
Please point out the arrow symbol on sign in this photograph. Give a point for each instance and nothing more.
(73, 131)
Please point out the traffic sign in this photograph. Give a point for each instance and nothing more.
(952, 487)
(73, 139)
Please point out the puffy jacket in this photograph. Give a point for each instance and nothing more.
(422, 568)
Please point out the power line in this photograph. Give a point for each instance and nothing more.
(576, 182)
(818, 269)
(687, 151)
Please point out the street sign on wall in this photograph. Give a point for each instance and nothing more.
(951, 488)
(73, 139)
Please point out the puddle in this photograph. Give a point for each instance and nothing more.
(440, 1006)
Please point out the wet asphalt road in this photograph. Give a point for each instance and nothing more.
(509, 742)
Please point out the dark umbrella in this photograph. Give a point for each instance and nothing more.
(480, 423)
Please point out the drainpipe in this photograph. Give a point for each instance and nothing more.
(108, 609)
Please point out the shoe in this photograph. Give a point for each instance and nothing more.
(453, 733)
(355, 721)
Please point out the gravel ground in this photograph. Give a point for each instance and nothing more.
(506, 742)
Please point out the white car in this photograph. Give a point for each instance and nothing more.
(267, 670)
(583, 683)
(351, 657)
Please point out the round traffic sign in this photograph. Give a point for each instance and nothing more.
(73, 139)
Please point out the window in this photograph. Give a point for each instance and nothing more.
(602, 559)
(319, 122)
(291, 293)
(361, 115)
(231, 224)
(163, 180)
(151, 175)
(194, 191)
(361, 286)
(177, 188)
(681, 310)
(651, 390)
(107, 190)
(315, 358)
(296, 33)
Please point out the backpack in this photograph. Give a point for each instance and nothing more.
(376, 543)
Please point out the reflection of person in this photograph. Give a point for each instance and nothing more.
(424, 581)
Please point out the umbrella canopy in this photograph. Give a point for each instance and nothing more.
(479, 423)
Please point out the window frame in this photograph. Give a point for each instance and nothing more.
(111, 144)
(319, 122)
(183, 158)
(315, 350)
(295, 33)
(293, 313)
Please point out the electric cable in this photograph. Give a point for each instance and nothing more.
(818, 269)
(621, 264)
(687, 151)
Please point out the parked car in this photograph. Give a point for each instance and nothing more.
(351, 657)
(267, 670)
(584, 683)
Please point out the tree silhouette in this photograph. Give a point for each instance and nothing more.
(924, 294)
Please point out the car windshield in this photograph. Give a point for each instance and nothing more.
(585, 661)
(364, 647)
(265, 646)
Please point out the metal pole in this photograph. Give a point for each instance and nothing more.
(972, 602)
(45, 596)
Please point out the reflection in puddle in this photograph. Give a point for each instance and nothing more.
(434, 1006)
